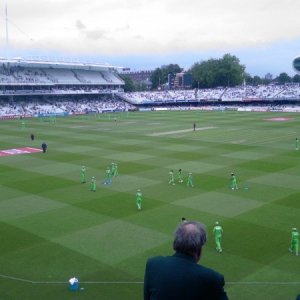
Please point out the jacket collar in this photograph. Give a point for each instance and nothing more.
(184, 256)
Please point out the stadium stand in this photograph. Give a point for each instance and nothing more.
(240, 93)
(30, 88)
(62, 107)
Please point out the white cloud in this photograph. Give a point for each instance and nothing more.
(158, 26)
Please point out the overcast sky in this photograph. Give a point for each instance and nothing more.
(145, 34)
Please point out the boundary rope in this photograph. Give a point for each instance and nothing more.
(141, 282)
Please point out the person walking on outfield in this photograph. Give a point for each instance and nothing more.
(108, 176)
(114, 169)
(297, 144)
(44, 147)
(83, 174)
(180, 180)
(190, 180)
(171, 180)
(116, 173)
(93, 184)
(139, 199)
(218, 232)
(295, 242)
(233, 182)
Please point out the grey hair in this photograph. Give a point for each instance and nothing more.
(189, 237)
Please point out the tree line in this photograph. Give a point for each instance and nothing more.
(223, 72)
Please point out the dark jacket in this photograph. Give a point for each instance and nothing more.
(179, 277)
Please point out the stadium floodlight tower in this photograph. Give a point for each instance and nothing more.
(296, 64)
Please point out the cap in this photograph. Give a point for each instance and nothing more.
(217, 223)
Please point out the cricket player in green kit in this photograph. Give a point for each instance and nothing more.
(295, 242)
(108, 176)
(190, 180)
(218, 232)
(180, 180)
(93, 184)
(114, 169)
(171, 180)
(83, 174)
(139, 199)
(297, 144)
(233, 182)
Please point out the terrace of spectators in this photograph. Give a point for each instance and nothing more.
(239, 93)
(63, 105)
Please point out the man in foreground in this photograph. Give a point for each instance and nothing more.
(179, 277)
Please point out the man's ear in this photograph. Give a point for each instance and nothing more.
(198, 255)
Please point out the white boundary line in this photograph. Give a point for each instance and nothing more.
(141, 282)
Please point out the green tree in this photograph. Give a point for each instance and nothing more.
(248, 79)
(226, 71)
(283, 78)
(230, 71)
(160, 75)
(129, 84)
(296, 78)
(257, 80)
(204, 73)
(156, 78)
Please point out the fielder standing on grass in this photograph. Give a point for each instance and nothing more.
(113, 169)
(180, 180)
(297, 144)
(218, 232)
(93, 184)
(83, 175)
(171, 178)
(190, 180)
(108, 176)
(139, 199)
(116, 173)
(233, 182)
(294, 248)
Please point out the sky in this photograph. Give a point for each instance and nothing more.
(146, 34)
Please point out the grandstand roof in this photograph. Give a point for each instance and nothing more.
(57, 64)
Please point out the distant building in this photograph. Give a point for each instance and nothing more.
(171, 80)
(181, 80)
(140, 77)
(269, 77)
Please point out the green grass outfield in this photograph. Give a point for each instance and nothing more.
(53, 228)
